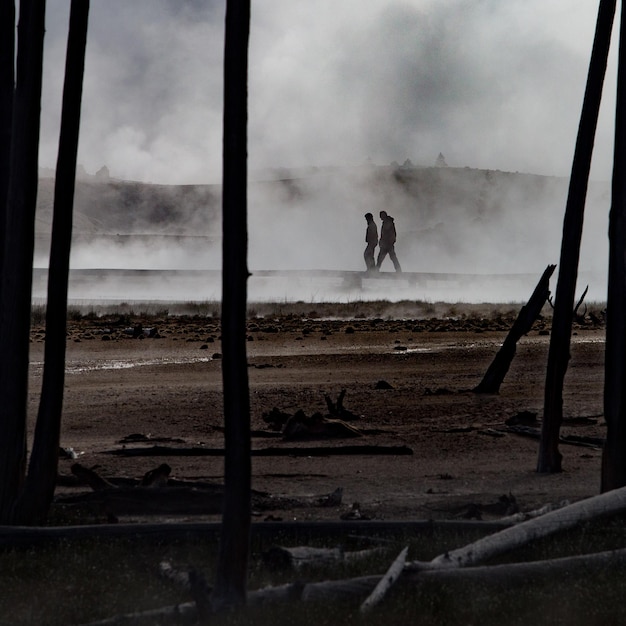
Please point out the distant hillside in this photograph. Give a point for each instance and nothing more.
(115, 207)
(448, 219)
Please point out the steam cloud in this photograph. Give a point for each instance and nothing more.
(494, 86)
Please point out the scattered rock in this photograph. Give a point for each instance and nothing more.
(440, 391)
(524, 418)
(383, 384)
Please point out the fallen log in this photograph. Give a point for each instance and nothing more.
(146, 501)
(90, 477)
(573, 440)
(609, 503)
(507, 576)
(386, 582)
(504, 576)
(32, 536)
(528, 314)
(181, 501)
(184, 613)
(317, 426)
(278, 558)
(157, 477)
(522, 516)
(290, 451)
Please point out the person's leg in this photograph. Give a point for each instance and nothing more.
(381, 257)
(394, 259)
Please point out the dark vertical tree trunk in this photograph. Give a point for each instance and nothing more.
(559, 353)
(232, 565)
(7, 88)
(42, 471)
(16, 279)
(614, 455)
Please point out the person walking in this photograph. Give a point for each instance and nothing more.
(387, 242)
(371, 239)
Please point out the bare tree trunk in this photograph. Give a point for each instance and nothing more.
(42, 472)
(558, 356)
(614, 456)
(17, 267)
(7, 89)
(231, 579)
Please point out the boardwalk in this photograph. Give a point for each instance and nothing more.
(314, 285)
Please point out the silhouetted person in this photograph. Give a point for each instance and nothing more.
(387, 241)
(371, 238)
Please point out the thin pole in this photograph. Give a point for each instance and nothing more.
(231, 579)
(614, 455)
(559, 352)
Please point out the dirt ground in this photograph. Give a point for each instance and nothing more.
(407, 381)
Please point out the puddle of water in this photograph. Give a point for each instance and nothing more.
(414, 350)
(121, 364)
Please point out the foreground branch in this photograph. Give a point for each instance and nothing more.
(610, 503)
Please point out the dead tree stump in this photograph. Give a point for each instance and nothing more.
(528, 314)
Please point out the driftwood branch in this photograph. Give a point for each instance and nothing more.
(284, 558)
(184, 613)
(182, 500)
(90, 477)
(528, 314)
(580, 301)
(507, 576)
(574, 440)
(610, 503)
(522, 516)
(448, 566)
(29, 536)
(286, 451)
(386, 582)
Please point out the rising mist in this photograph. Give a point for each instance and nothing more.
(449, 220)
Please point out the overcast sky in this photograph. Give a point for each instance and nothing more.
(490, 84)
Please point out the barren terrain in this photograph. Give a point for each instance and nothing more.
(407, 383)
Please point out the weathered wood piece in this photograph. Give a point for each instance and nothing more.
(528, 314)
(386, 582)
(522, 516)
(90, 477)
(574, 440)
(271, 451)
(157, 477)
(609, 503)
(181, 501)
(146, 501)
(505, 576)
(27, 536)
(317, 426)
(184, 613)
(297, 557)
